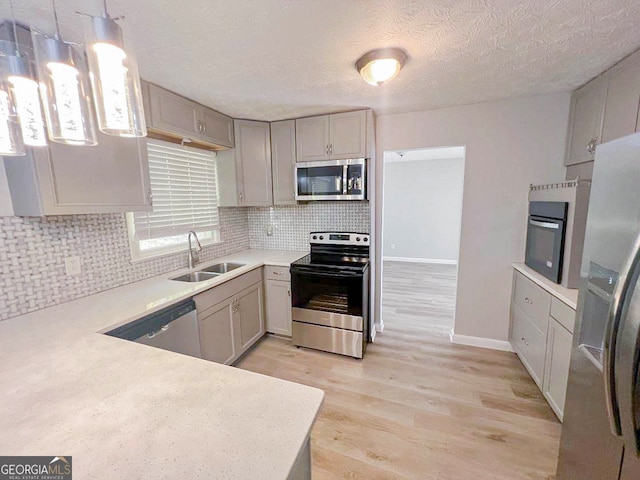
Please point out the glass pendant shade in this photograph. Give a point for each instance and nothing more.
(11, 143)
(25, 94)
(115, 81)
(65, 91)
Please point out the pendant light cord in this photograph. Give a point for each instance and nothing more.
(55, 15)
(104, 2)
(15, 28)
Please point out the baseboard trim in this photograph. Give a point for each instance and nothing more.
(481, 342)
(420, 260)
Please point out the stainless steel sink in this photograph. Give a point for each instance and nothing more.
(220, 268)
(196, 277)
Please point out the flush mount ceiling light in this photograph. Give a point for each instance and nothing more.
(379, 66)
(114, 78)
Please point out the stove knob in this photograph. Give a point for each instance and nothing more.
(357, 239)
(321, 237)
(366, 239)
(315, 237)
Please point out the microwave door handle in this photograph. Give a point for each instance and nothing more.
(345, 178)
(618, 301)
(550, 225)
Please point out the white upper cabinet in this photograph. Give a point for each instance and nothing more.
(283, 161)
(168, 113)
(587, 111)
(348, 135)
(172, 113)
(333, 137)
(604, 109)
(623, 100)
(312, 138)
(217, 128)
(244, 173)
(112, 176)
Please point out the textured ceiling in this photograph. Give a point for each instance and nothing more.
(276, 59)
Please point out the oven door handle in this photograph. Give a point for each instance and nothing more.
(550, 225)
(323, 273)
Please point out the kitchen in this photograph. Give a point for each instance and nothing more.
(76, 261)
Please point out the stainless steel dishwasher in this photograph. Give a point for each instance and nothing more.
(174, 328)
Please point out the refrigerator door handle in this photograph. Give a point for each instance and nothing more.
(618, 301)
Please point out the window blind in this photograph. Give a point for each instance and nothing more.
(184, 188)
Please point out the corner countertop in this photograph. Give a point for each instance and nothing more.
(126, 410)
(566, 295)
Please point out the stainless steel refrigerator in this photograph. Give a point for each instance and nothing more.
(601, 430)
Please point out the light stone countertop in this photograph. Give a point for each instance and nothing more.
(566, 295)
(126, 410)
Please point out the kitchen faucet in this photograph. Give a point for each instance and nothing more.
(193, 256)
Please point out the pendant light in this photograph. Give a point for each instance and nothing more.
(11, 143)
(115, 80)
(64, 89)
(24, 92)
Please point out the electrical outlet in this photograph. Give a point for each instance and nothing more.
(393, 246)
(72, 265)
(270, 230)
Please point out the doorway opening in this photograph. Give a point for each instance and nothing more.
(421, 223)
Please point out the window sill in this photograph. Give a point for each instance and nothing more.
(169, 252)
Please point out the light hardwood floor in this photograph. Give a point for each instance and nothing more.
(418, 407)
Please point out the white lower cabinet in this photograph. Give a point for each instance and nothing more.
(231, 317)
(216, 333)
(556, 368)
(278, 300)
(542, 338)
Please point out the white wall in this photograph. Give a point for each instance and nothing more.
(422, 208)
(509, 144)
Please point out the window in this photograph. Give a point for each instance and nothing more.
(184, 188)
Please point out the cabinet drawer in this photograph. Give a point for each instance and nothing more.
(532, 300)
(528, 342)
(277, 273)
(221, 292)
(563, 313)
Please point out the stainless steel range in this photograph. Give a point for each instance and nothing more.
(330, 294)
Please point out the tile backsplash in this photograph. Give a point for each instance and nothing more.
(291, 225)
(33, 249)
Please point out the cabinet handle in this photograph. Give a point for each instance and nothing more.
(150, 196)
(528, 300)
(289, 291)
(240, 196)
(591, 146)
(330, 148)
(277, 273)
(524, 340)
(204, 128)
(326, 149)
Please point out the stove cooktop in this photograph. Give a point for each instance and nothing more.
(337, 262)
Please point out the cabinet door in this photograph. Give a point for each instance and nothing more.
(217, 333)
(312, 138)
(217, 128)
(623, 100)
(278, 307)
(587, 111)
(253, 163)
(348, 135)
(172, 113)
(249, 317)
(283, 161)
(556, 368)
(113, 176)
(528, 342)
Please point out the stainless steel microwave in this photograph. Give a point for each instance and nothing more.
(331, 180)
